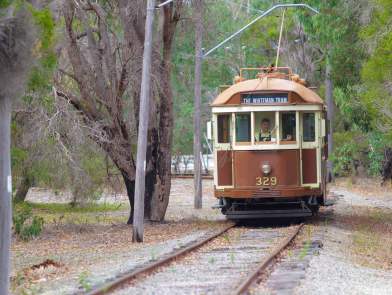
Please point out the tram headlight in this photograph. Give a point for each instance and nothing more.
(266, 168)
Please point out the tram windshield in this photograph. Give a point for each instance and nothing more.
(243, 128)
(265, 127)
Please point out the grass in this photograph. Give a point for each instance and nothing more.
(91, 213)
(68, 208)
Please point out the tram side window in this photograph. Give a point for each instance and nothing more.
(242, 128)
(288, 123)
(224, 128)
(308, 127)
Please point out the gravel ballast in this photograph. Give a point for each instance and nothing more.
(334, 271)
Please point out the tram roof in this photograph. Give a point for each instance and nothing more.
(268, 84)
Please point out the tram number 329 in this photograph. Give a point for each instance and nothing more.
(266, 181)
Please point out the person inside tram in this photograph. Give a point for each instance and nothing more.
(265, 130)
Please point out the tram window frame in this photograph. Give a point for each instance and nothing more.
(283, 135)
(313, 136)
(258, 118)
(225, 136)
(248, 139)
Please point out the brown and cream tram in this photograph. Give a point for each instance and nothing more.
(269, 146)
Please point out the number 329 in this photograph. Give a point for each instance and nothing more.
(260, 181)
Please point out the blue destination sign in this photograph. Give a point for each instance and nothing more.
(264, 98)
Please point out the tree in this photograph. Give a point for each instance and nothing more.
(331, 33)
(104, 44)
(16, 40)
(376, 72)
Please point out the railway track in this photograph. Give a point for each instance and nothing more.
(226, 262)
(191, 175)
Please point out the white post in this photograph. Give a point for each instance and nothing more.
(138, 217)
(5, 194)
(197, 104)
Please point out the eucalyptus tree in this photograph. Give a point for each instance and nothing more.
(333, 34)
(375, 93)
(104, 46)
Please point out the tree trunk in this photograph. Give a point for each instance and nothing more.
(130, 186)
(5, 194)
(23, 188)
(330, 114)
(158, 175)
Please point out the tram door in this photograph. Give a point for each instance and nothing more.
(223, 170)
(310, 148)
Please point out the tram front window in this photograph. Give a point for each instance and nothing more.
(288, 123)
(224, 128)
(242, 128)
(265, 127)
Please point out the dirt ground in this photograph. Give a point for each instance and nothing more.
(74, 244)
(78, 250)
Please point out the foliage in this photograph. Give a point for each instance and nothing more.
(346, 149)
(26, 225)
(376, 72)
(354, 149)
(353, 112)
(377, 145)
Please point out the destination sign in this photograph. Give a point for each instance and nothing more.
(264, 98)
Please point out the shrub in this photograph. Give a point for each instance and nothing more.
(26, 226)
(350, 149)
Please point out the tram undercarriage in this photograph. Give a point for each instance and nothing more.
(269, 207)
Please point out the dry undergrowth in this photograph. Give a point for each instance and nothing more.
(371, 239)
(365, 186)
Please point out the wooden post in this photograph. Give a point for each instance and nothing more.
(330, 114)
(198, 17)
(5, 194)
(138, 217)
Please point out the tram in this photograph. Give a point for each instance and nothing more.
(270, 146)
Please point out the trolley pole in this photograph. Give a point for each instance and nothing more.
(198, 17)
(138, 217)
(262, 14)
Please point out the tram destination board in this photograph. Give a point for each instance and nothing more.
(264, 98)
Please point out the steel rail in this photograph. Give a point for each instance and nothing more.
(249, 280)
(127, 277)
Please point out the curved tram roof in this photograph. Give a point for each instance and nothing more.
(267, 84)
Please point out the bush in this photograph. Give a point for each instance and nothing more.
(349, 150)
(26, 226)
(378, 143)
(353, 149)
